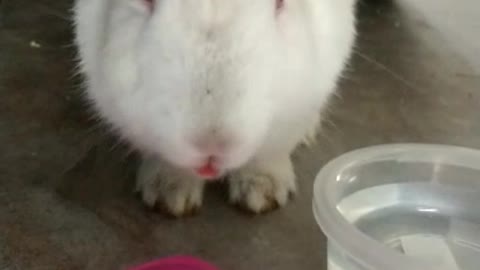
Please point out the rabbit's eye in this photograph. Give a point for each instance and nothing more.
(279, 4)
(149, 3)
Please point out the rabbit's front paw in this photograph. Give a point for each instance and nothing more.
(174, 192)
(262, 190)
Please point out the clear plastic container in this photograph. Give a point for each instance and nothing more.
(401, 207)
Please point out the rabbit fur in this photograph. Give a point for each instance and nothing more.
(235, 84)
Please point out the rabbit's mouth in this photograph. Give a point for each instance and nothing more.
(210, 170)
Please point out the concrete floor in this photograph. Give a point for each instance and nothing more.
(65, 184)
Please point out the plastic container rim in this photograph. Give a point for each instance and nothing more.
(367, 252)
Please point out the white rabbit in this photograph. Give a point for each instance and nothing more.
(205, 88)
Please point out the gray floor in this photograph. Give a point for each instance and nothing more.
(65, 184)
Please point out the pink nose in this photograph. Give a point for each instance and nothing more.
(208, 170)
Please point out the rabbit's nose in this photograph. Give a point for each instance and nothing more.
(209, 170)
(214, 149)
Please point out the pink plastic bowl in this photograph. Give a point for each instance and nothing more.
(176, 263)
